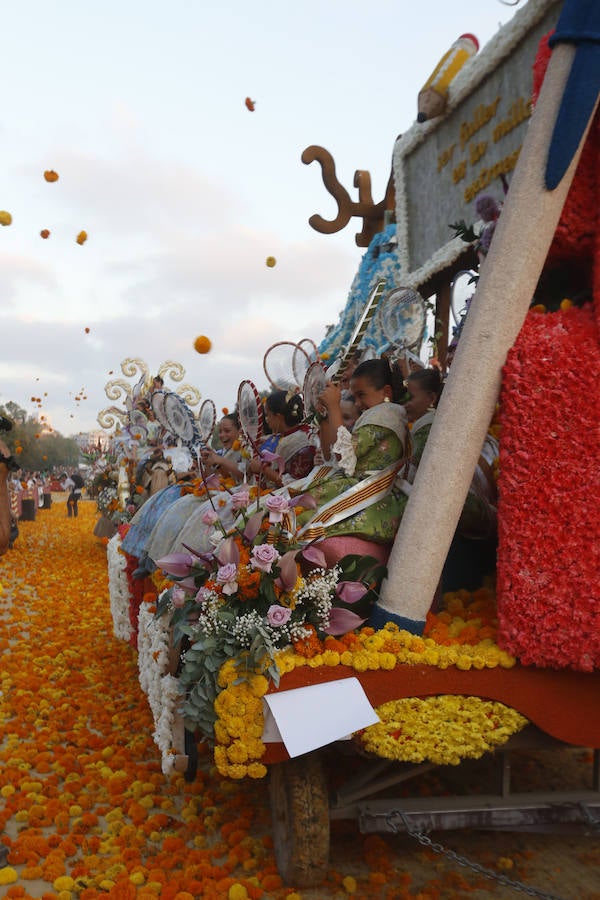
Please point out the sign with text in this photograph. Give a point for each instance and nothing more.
(465, 154)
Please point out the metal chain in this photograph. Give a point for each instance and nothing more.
(426, 841)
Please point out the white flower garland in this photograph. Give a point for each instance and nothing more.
(118, 590)
(153, 655)
(161, 688)
(164, 731)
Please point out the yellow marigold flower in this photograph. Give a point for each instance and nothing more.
(331, 658)
(286, 662)
(237, 891)
(387, 661)
(137, 878)
(220, 755)
(221, 733)
(505, 862)
(349, 884)
(374, 641)
(236, 771)
(431, 657)
(237, 752)
(8, 875)
(566, 304)
(235, 725)
(64, 883)
(202, 344)
(314, 662)
(256, 770)
(259, 685)
(7, 790)
(255, 747)
(359, 661)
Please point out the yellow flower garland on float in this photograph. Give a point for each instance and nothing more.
(239, 724)
(444, 730)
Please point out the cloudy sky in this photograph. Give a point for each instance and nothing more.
(139, 106)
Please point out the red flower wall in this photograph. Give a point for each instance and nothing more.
(549, 509)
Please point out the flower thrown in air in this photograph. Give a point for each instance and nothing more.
(278, 615)
(264, 556)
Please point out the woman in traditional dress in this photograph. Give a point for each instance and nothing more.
(295, 455)
(293, 459)
(359, 499)
(424, 388)
(472, 552)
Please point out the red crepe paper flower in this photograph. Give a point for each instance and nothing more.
(549, 522)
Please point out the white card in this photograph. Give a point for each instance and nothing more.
(309, 717)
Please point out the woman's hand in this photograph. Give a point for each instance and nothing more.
(209, 457)
(330, 397)
(260, 467)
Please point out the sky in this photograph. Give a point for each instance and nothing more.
(184, 193)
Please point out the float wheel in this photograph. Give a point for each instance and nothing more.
(300, 814)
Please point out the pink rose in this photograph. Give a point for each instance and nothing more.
(202, 595)
(209, 517)
(277, 506)
(227, 575)
(178, 596)
(278, 615)
(263, 557)
(240, 499)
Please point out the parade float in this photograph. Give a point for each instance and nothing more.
(272, 668)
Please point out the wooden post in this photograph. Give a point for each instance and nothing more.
(506, 286)
(442, 321)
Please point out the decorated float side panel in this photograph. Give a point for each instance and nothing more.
(468, 151)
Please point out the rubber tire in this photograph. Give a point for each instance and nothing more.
(300, 816)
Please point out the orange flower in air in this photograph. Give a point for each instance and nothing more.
(50, 175)
(44, 233)
(81, 238)
(250, 104)
(202, 344)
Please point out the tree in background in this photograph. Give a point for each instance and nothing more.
(33, 445)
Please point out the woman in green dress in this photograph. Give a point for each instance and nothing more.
(359, 498)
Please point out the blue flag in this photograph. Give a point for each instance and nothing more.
(579, 24)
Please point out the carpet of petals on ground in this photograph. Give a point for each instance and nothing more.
(85, 810)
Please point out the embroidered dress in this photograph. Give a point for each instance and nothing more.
(146, 518)
(296, 452)
(478, 518)
(373, 509)
(183, 523)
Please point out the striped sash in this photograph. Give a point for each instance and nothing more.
(368, 491)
